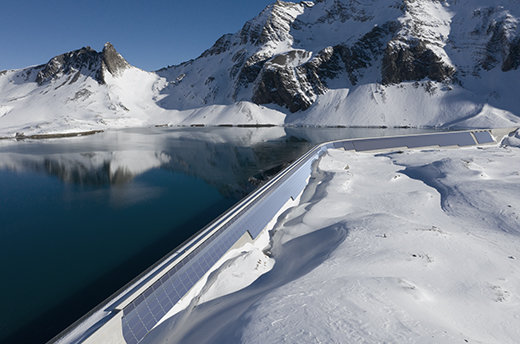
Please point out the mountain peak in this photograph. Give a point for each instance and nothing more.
(113, 61)
(85, 61)
(273, 24)
(74, 63)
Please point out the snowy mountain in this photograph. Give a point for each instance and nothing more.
(327, 62)
(364, 63)
(80, 89)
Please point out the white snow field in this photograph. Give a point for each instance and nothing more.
(415, 246)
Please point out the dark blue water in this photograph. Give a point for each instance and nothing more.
(81, 217)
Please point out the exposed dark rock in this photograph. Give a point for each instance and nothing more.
(85, 61)
(284, 85)
(239, 58)
(76, 77)
(361, 55)
(112, 60)
(296, 87)
(495, 45)
(503, 46)
(275, 28)
(249, 33)
(83, 93)
(512, 60)
(411, 61)
(326, 65)
(249, 70)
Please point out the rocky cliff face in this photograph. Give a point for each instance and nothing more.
(85, 61)
(285, 82)
(512, 60)
(412, 61)
(292, 53)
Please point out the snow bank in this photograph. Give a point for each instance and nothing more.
(407, 247)
(408, 104)
(240, 113)
(513, 140)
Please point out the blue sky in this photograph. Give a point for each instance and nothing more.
(150, 34)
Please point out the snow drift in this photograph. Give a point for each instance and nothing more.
(413, 246)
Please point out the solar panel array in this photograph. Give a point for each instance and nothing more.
(145, 311)
(441, 140)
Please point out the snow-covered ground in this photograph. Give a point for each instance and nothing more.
(420, 246)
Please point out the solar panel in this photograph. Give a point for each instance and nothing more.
(457, 139)
(128, 331)
(347, 145)
(139, 317)
(423, 141)
(483, 137)
(443, 139)
(377, 144)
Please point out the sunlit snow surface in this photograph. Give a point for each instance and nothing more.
(402, 247)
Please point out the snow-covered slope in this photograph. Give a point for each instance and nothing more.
(81, 90)
(420, 246)
(85, 90)
(328, 62)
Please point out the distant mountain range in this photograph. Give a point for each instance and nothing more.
(329, 62)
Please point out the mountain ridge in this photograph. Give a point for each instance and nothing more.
(327, 62)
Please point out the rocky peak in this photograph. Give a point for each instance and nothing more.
(112, 60)
(273, 24)
(85, 61)
(342, 10)
(223, 44)
(82, 61)
(294, 79)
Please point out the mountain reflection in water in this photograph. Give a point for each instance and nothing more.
(226, 157)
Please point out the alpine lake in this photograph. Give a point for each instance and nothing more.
(81, 217)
